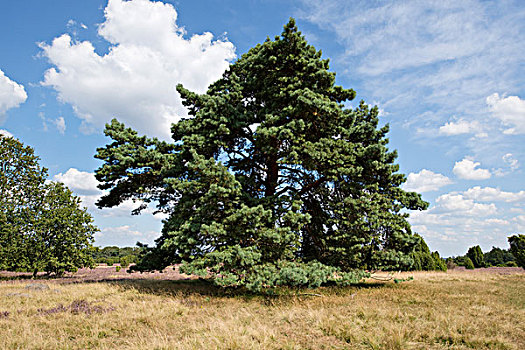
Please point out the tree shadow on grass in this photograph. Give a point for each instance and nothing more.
(205, 288)
(188, 288)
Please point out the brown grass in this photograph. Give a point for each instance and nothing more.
(481, 309)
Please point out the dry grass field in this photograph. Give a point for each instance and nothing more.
(103, 309)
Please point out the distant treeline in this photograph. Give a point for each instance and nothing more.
(475, 258)
(423, 258)
(115, 255)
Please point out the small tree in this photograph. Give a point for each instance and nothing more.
(66, 232)
(476, 256)
(517, 248)
(42, 225)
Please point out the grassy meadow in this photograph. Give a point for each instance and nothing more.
(480, 309)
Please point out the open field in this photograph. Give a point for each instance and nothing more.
(481, 309)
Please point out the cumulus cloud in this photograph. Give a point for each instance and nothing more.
(456, 221)
(459, 205)
(425, 181)
(490, 194)
(135, 81)
(12, 95)
(510, 110)
(468, 169)
(460, 127)
(470, 217)
(85, 184)
(80, 182)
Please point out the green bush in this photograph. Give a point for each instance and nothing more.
(112, 261)
(468, 263)
(417, 261)
(476, 256)
(439, 264)
(125, 261)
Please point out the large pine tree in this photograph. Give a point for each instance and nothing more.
(271, 180)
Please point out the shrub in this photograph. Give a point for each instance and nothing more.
(450, 264)
(476, 256)
(439, 264)
(417, 261)
(468, 263)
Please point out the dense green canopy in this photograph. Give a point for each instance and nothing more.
(42, 226)
(271, 175)
(476, 255)
(517, 248)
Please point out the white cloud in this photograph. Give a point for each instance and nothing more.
(425, 181)
(135, 81)
(457, 204)
(519, 222)
(500, 222)
(468, 169)
(122, 230)
(60, 123)
(512, 165)
(490, 194)
(85, 184)
(5, 133)
(80, 182)
(122, 235)
(460, 127)
(12, 95)
(456, 222)
(510, 110)
(511, 161)
(413, 57)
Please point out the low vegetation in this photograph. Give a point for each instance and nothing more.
(459, 309)
(116, 255)
(496, 257)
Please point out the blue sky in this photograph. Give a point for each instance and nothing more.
(448, 76)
